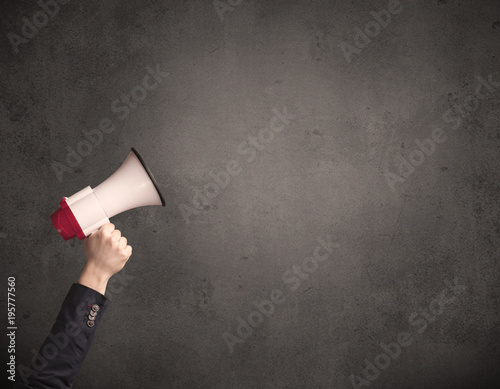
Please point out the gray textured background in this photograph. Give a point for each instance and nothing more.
(323, 175)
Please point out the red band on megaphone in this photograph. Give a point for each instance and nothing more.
(65, 222)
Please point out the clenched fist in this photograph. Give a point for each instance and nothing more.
(107, 253)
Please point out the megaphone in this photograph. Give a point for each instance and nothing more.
(131, 186)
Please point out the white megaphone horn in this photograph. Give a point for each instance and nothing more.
(131, 186)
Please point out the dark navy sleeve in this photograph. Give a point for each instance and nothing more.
(63, 352)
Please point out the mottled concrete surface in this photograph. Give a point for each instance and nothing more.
(325, 174)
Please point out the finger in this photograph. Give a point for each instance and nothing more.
(122, 242)
(108, 228)
(128, 251)
(116, 235)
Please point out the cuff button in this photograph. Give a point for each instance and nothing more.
(95, 308)
(91, 323)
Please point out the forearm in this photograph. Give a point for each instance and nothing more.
(93, 278)
(64, 350)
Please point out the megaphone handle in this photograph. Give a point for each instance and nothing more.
(94, 228)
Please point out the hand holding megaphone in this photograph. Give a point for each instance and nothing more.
(107, 252)
(131, 186)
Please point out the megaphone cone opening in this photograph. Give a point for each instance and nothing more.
(153, 180)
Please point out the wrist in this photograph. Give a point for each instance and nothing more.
(93, 279)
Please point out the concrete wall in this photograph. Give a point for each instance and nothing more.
(414, 230)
